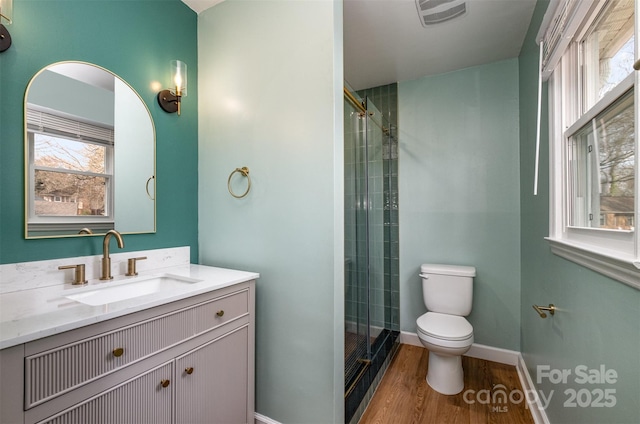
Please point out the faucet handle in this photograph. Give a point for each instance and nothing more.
(79, 276)
(131, 266)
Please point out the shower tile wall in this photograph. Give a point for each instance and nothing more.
(386, 100)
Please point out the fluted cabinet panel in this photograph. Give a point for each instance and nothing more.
(211, 381)
(141, 400)
(56, 371)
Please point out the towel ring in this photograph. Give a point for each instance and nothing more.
(146, 187)
(245, 172)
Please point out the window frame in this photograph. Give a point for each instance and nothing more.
(60, 223)
(615, 253)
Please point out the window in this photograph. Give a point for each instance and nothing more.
(593, 114)
(601, 169)
(70, 169)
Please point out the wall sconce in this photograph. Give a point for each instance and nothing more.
(169, 100)
(6, 7)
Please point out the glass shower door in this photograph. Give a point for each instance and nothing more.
(357, 350)
(364, 238)
(375, 237)
(371, 243)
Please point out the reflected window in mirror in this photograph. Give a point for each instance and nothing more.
(72, 169)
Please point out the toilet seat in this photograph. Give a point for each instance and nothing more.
(444, 327)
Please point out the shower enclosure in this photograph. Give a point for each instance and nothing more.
(371, 246)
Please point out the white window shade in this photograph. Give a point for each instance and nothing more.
(44, 122)
(559, 26)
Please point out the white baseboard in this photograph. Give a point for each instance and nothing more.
(488, 353)
(538, 413)
(261, 419)
(495, 354)
(410, 339)
(503, 356)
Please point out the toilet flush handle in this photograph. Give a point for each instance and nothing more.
(425, 276)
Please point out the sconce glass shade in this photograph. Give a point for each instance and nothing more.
(170, 100)
(6, 10)
(179, 78)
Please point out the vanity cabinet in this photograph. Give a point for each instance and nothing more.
(189, 361)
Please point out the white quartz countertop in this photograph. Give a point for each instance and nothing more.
(31, 314)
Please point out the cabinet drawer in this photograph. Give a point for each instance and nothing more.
(56, 371)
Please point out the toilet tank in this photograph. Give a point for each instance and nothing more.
(447, 289)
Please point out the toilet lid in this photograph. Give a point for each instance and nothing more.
(444, 326)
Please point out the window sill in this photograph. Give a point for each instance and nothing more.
(625, 270)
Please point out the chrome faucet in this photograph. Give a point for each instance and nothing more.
(106, 260)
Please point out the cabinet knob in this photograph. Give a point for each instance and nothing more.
(189, 370)
(220, 313)
(117, 352)
(165, 383)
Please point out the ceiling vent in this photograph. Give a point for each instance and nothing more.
(436, 11)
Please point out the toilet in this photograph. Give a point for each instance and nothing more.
(448, 293)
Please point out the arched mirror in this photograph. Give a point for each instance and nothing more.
(89, 154)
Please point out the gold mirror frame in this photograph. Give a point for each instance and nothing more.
(83, 226)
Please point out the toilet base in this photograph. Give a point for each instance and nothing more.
(445, 373)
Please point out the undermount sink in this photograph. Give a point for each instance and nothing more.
(140, 286)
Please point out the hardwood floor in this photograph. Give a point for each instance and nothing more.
(405, 397)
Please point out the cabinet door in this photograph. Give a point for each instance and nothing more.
(140, 400)
(211, 381)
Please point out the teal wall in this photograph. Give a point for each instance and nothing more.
(135, 39)
(272, 101)
(459, 192)
(597, 320)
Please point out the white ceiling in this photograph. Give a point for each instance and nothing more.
(200, 5)
(384, 41)
(83, 72)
